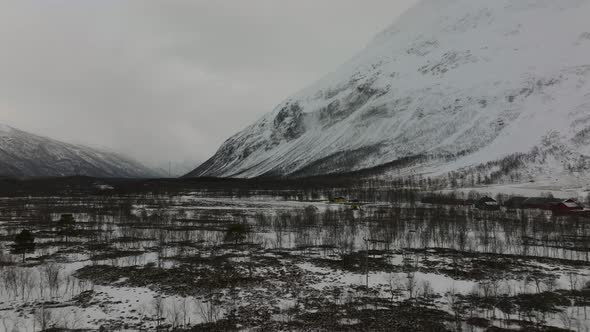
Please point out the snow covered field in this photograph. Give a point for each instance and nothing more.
(197, 262)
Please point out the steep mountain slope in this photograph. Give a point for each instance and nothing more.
(25, 154)
(453, 84)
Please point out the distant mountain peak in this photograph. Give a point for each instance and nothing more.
(27, 155)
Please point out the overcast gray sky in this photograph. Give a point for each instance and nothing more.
(169, 79)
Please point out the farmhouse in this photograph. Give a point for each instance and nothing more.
(567, 206)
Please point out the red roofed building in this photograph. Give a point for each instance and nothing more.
(567, 206)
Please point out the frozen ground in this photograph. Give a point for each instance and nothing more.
(180, 263)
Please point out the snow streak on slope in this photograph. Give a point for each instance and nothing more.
(24, 154)
(472, 80)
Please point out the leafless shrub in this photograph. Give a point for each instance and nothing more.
(455, 306)
(209, 311)
(175, 314)
(51, 275)
(25, 281)
(395, 285)
(44, 318)
(427, 290)
(158, 309)
(567, 320)
(411, 284)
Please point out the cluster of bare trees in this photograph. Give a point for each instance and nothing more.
(175, 313)
(524, 233)
(45, 282)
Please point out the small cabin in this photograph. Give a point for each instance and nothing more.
(487, 203)
(340, 200)
(567, 206)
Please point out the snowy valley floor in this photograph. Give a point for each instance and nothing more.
(198, 261)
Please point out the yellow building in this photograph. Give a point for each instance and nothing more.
(340, 200)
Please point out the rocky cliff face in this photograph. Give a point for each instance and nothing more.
(459, 82)
(26, 155)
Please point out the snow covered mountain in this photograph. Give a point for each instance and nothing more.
(453, 85)
(25, 154)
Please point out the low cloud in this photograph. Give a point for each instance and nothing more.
(169, 80)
